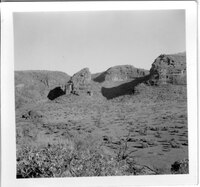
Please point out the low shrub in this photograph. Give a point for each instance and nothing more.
(59, 160)
(180, 167)
(80, 159)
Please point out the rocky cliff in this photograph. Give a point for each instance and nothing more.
(169, 69)
(80, 82)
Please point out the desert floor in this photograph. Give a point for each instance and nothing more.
(153, 122)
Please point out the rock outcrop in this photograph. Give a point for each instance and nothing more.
(80, 82)
(169, 69)
(121, 73)
(32, 114)
(34, 86)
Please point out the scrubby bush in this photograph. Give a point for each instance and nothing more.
(42, 161)
(180, 167)
(80, 158)
(59, 160)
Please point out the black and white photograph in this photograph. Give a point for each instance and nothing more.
(101, 93)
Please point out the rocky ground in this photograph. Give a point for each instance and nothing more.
(153, 121)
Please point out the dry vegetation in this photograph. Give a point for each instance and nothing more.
(142, 133)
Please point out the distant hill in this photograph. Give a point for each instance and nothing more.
(47, 78)
(33, 86)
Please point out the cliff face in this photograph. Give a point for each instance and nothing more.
(169, 69)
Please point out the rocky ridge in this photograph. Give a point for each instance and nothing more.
(115, 81)
(121, 73)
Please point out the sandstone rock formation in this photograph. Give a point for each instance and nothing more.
(169, 69)
(80, 82)
(121, 73)
(34, 86)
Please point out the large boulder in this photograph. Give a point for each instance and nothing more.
(32, 114)
(80, 82)
(121, 73)
(169, 69)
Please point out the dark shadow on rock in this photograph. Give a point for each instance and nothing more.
(56, 92)
(123, 89)
(100, 78)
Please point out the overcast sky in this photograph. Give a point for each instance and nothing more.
(70, 41)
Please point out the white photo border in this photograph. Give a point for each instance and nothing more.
(8, 143)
